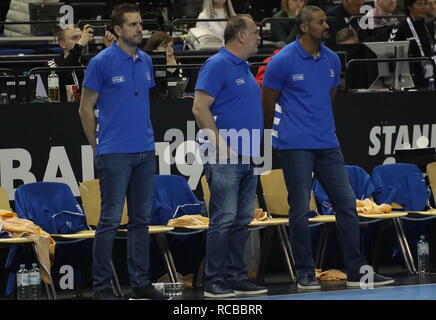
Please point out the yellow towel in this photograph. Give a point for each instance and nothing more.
(16, 227)
(199, 220)
(368, 206)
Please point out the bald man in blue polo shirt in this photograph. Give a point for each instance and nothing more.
(298, 88)
(227, 106)
(115, 114)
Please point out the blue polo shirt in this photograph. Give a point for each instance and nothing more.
(237, 107)
(123, 107)
(303, 116)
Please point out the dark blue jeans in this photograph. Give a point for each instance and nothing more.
(231, 209)
(329, 168)
(124, 176)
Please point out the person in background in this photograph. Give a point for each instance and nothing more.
(347, 36)
(298, 90)
(414, 27)
(227, 99)
(215, 9)
(73, 42)
(162, 41)
(342, 13)
(115, 115)
(430, 10)
(383, 8)
(356, 76)
(378, 29)
(286, 31)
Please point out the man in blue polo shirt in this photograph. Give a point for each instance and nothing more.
(298, 88)
(228, 110)
(115, 114)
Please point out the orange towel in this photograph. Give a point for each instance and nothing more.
(368, 206)
(45, 244)
(199, 220)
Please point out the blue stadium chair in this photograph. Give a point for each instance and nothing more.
(53, 207)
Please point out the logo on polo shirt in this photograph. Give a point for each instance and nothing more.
(148, 76)
(298, 77)
(332, 73)
(118, 79)
(240, 81)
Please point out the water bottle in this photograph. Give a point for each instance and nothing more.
(4, 98)
(22, 283)
(53, 87)
(35, 282)
(431, 84)
(423, 256)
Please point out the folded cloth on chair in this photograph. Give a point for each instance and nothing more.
(188, 220)
(16, 227)
(199, 220)
(368, 206)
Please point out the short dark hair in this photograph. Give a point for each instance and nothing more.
(156, 39)
(234, 25)
(117, 15)
(305, 16)
(407, 4)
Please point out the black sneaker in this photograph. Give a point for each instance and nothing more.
(246, 287)
(377, 281)
(105, 294)
(217, 289)
(308, 282)
(148, 292)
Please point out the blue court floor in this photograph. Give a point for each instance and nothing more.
(406, 292)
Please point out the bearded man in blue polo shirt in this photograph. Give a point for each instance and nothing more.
(115, 114)
(227, 106)
(298, 88)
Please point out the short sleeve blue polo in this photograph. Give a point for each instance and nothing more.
(303, 116)
(237, 106)
(123, 107)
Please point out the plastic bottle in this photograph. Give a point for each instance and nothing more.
(35, 282)
(423, 256)
(22, 283)
(4, 98)
(431, 84)
(53, 87)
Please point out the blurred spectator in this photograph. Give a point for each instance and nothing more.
(347, 36)
(416, 28)
(261, 71)
(347, 40)
(216, 9)
(378, 29)
(73, 42)
(383, 8)
(19, 11)
(430, 11)
(162, 41)
(342, 13)
(286, 31)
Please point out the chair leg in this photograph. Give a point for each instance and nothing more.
(286, 246)
(376, 248)
(115, 282)
(322, 245)
(168, 258)
(200, 274)
(405, 250)
(263, 254)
